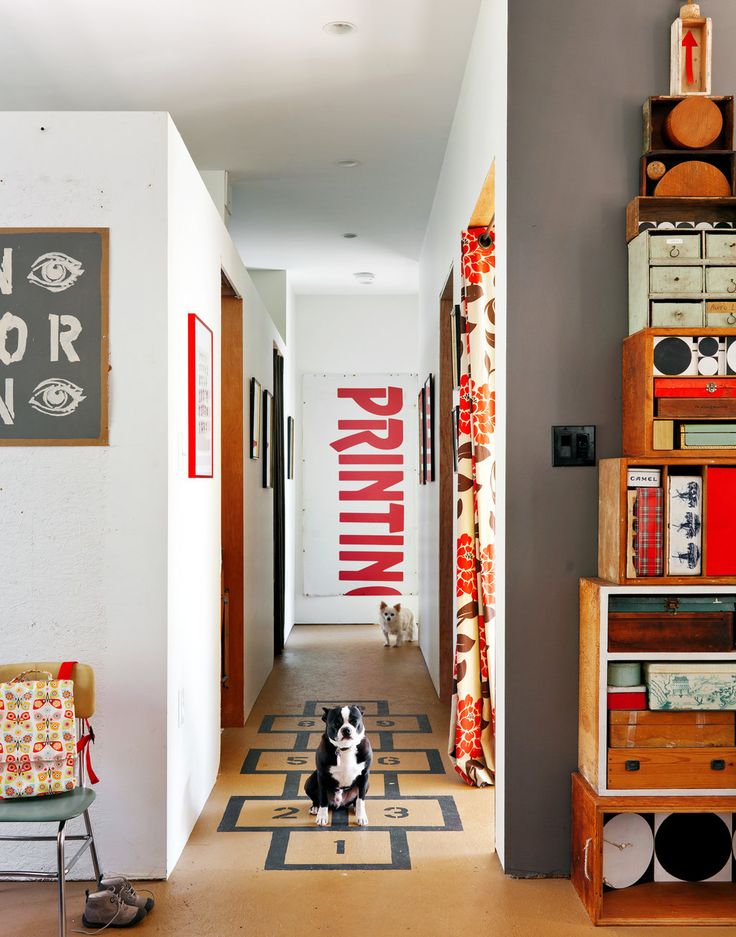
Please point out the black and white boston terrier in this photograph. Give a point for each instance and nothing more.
(343, 765)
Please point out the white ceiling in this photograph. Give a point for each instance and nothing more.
(259, 89)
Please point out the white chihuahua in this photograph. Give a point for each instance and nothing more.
(397, 621)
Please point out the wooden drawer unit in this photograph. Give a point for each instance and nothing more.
(678, 631)
(717, 558)
(688, 413)
(700, 740)
(648, 902)
(639, 769)
(647, 729)
(682, 278)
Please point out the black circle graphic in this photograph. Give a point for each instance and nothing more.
(708, 346)
(672, 356)
(692, 847)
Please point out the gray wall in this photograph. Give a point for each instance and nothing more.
(578, 75)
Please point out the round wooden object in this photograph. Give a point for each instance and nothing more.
(655, 169)
(693, 179)
(694, 123)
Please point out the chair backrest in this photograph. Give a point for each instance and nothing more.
(82, 675)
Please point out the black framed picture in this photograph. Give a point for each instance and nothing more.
(456, 339)
(422, 437)
(267, 438)
(429, 475)
(255, 419)
(290, 447)
(455, 437)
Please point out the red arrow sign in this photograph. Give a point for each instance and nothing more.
(689, 42)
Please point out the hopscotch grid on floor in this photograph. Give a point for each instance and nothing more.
(379, 846)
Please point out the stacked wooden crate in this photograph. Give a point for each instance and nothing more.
(654, 798)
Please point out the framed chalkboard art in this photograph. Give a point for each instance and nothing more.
(53, 336)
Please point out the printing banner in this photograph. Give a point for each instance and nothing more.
(359, 479)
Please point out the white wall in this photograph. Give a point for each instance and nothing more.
(112, 554)
(347, 334)
(77, 582)
(478, 135)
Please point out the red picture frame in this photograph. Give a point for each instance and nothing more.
(200, 398)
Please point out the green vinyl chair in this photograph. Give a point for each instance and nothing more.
(56, 808)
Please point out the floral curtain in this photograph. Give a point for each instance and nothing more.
(471, 743)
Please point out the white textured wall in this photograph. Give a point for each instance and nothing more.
(83, 551)
(111, 555)
(336, 335)
(478, 135)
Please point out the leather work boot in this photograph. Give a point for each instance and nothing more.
(121, 886)
(106, 909)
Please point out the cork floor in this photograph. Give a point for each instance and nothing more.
(257, 865)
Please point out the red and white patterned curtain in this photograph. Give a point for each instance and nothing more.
(472, 730)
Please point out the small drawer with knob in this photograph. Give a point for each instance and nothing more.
(671, 768)
(695, 387)
(672, 315)
(678, 279)
(671, 246)
(720, 314)
(720, 280)
(719, 246)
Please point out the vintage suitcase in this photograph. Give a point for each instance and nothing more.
(671, 768)
(708, 436)
(637, 729)
(672, 623)
(720, 520)
(708, 387)
(679, 685)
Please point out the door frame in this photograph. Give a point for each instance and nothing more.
(446, 499)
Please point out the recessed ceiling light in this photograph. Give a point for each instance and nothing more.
(347, 163)
(339, 28)
(365, 277)
(350, 235)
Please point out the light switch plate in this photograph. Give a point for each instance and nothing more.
(573, 445)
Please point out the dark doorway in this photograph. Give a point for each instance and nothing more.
(279, 505)
(231, 429)
(446, 569)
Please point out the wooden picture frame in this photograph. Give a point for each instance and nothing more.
(68, 383)
(429, 434)
(267, 438)
(290, 447)
(422, 438)
(200, 398)
(256, 393)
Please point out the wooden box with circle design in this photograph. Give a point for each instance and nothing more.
(679, 393)
(688, 124)
(654, 860)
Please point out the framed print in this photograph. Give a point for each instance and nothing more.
(456, 340)
(455, 437)
(255, 418)
(429, 475)
(290, 447)
(266, 438)
(54, 352)
(422, 439)
(201, 436)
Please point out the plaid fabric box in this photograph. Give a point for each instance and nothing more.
(649, 532)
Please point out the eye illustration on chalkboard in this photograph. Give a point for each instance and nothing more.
(55, 271)
(57, 397)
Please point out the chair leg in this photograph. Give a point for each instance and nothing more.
(92, 848)
(60, 836)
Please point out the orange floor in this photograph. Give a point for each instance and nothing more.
(423, 867)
